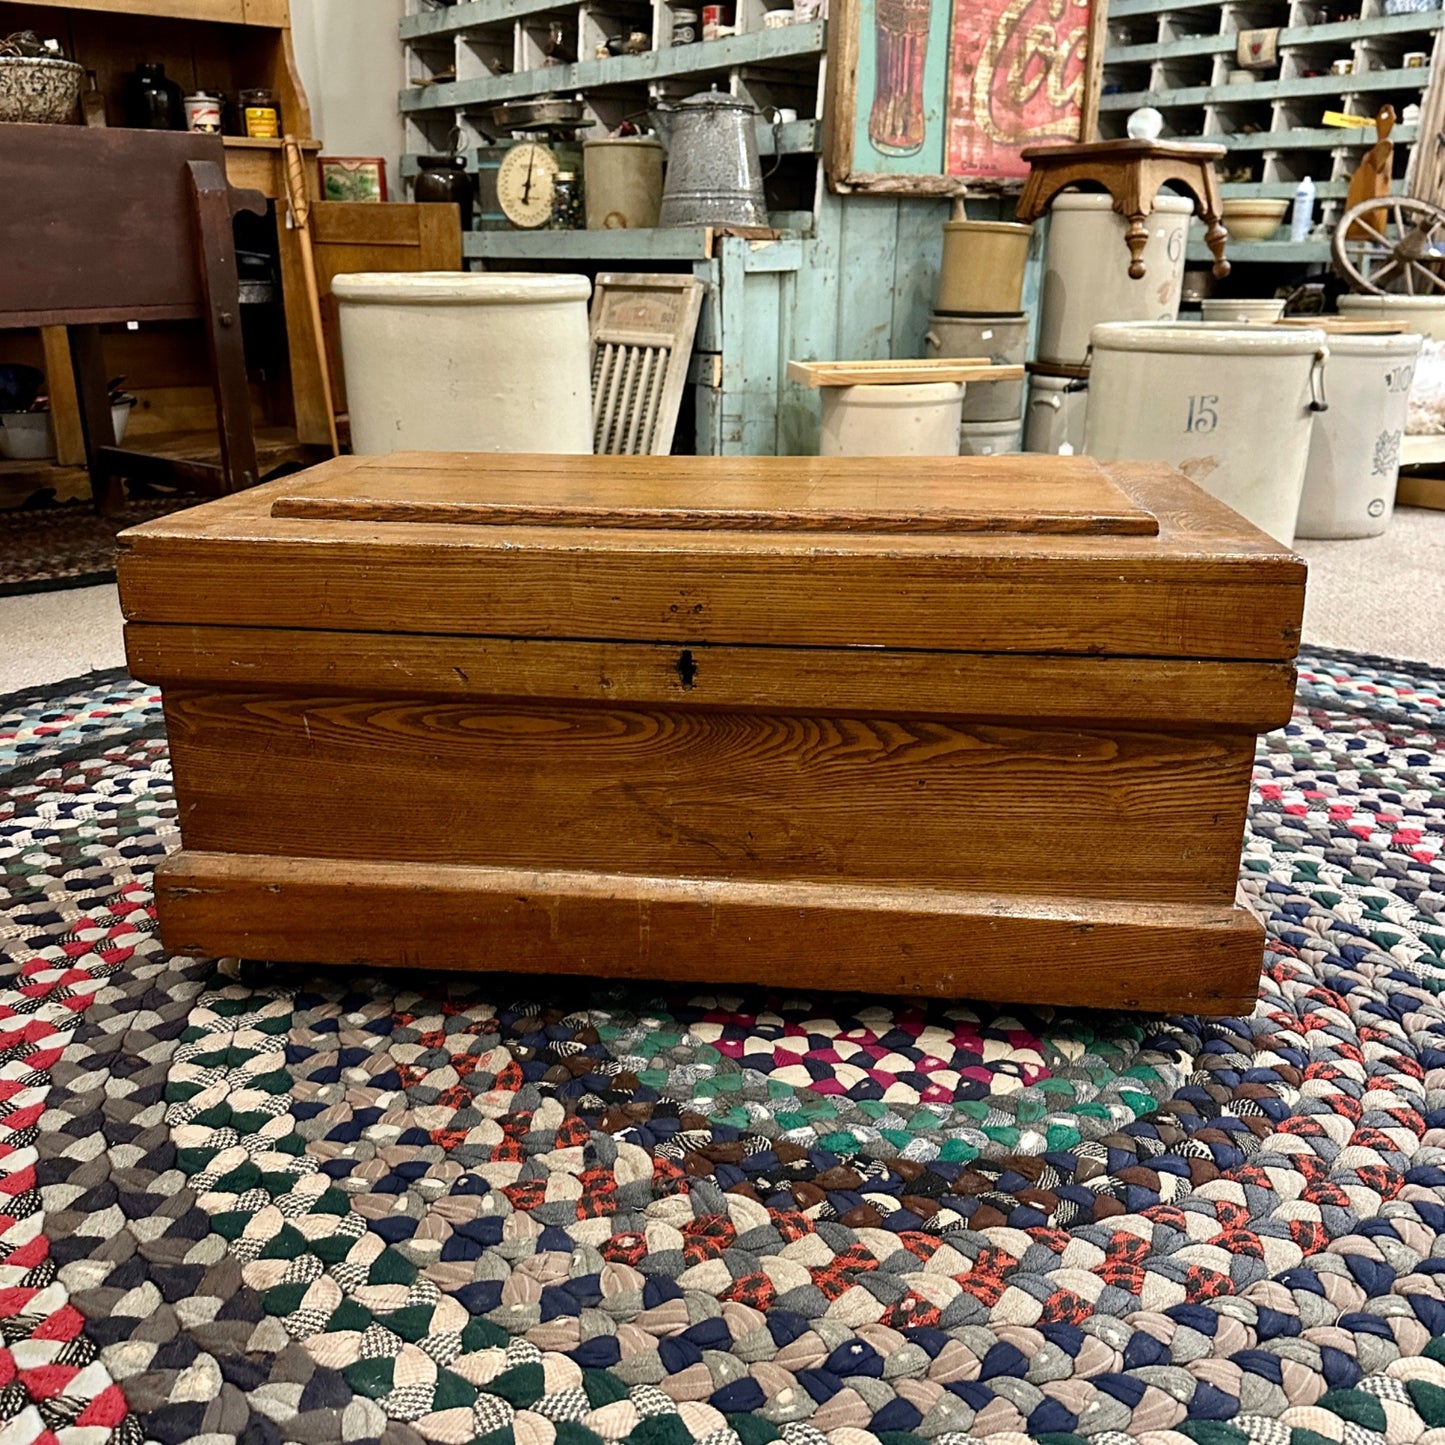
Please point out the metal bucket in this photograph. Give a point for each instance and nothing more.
(1232, 407)
(1354, 459)
(911, 419)
(714, 177)
(1056, 412)
(1004, 340)
(1086, 271)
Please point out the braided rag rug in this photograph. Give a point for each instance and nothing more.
(421, 1209)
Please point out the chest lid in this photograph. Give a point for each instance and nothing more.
(859, 496)
(1020, 553)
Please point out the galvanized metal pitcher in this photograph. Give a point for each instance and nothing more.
(714, 177)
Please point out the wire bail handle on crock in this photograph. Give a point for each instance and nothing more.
(774, 115)
(1317, 380)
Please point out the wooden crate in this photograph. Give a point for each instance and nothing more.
(961, 727)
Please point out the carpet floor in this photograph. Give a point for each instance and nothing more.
(48, 549)
(406, 1209)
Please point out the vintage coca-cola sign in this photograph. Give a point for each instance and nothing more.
(1017, 80)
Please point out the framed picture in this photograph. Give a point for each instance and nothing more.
(352, 178)
(934, 99)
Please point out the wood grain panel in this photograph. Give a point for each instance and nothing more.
(163, 409)
(1152, 486)
(275, 13)
(559, 587)
(966, 369)
(254, 170)
(93, 193)
(1053, 811)
(1021, 489)
(1193, 526)
(366, 226)
(1005, 515)
(64, 401)
(881, 940)
(1129, 692)
(226, 11)
(1208, 585)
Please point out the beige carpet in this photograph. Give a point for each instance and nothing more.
(46, 636)
(1384, 595)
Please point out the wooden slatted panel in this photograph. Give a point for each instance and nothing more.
(642, 333)
(627, 390)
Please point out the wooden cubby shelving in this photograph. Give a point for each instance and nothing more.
(842, 276)
(1178, 57)
(464, 59)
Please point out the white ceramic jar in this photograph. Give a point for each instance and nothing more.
(990, 438)
(449, 361)
(1231, 406)
(622, 183)
(1002, 340)
(26, 436)
(914, 419)
(1241, 308)
(1354, 459)
(1056, 412)
(1086, 271)
(1424, 315)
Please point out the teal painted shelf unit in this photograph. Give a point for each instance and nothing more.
(464, 59)
(1180, 57)
(850, 277)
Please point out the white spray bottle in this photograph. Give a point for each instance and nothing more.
(1303, 215)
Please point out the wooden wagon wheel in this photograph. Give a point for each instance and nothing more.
(1403, 257)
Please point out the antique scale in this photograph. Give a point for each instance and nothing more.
(544, 143)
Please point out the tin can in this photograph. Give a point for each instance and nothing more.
(1414, 59)
(715, 18)
(684, 27)
(263, 119)
(203, 113)
(1342, 67)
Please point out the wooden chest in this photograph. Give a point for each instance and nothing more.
(973, 728)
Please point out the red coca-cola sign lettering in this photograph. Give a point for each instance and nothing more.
(1017, 80)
